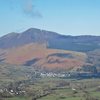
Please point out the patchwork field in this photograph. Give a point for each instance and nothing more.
(60, 89)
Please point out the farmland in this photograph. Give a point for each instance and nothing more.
(58, 89)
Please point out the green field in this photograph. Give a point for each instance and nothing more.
(60, 89)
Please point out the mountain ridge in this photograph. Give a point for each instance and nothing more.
(52, 39)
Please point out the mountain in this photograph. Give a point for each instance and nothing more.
(47, 50)
(31, 35)
(51, 39)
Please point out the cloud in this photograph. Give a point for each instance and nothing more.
(30, 9)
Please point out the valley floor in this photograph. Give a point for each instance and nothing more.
(59, 89)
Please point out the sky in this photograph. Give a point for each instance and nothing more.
(68, 17)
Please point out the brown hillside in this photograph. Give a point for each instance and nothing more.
(38, 55)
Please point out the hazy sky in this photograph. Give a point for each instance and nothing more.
(70, 17)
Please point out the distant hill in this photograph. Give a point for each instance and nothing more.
(51, 39)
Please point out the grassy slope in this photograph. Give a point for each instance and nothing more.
(12, 73)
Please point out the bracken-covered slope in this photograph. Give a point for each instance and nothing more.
(40, 56)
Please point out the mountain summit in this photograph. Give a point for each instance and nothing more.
(31, 35)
